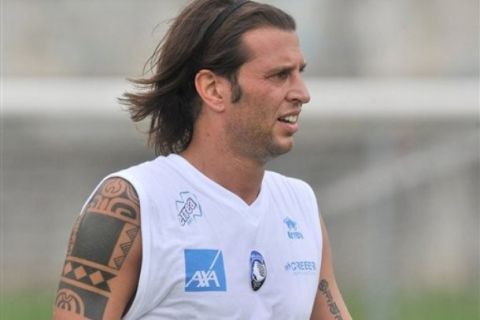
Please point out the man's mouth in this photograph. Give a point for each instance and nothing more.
(289, 119)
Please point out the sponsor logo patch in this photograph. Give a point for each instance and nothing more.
(204, 270)
(303, 267)
(292, 231)
(188, 208)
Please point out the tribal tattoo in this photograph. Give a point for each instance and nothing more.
(99, 244)
(323, 287)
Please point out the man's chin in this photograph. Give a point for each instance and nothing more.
(281, 148)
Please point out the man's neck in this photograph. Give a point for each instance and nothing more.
(241, 176)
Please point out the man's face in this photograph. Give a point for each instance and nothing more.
(262, 123)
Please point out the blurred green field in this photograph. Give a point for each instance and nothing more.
(424, 306)
(26, 306)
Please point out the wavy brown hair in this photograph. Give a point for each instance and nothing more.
(196, 40)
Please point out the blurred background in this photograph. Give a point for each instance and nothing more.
(390, 141)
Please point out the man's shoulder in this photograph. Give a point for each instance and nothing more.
(144, 174)
(148, 167)
(278, 178)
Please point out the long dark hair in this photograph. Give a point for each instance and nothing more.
(169, 97)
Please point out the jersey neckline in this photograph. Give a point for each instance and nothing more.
(217, 191)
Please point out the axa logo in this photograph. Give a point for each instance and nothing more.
(188, 208)
(204, 270)
(292, 231)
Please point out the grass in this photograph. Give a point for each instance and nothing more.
(421, 306)
(26, 306)
(436, 306)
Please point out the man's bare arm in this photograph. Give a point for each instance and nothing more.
(101, 270)
(329, 304)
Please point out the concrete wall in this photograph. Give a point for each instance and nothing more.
(408, 38)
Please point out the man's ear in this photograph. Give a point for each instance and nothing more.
(212, 89)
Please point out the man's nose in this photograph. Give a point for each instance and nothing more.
(299, 92)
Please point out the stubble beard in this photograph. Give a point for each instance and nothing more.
(256, 143)
(259, 145)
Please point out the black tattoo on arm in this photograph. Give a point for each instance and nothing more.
(323, 287)
(99, 244)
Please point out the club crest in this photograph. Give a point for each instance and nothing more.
(258, 270)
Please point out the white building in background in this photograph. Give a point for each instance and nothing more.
(394, 163)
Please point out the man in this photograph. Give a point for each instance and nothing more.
(204, 231)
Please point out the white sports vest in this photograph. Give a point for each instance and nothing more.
(202, 245)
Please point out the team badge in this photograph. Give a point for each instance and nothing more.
(258, 270)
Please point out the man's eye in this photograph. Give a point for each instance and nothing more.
(282, 75)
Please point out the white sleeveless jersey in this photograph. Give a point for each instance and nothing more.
(202, 245)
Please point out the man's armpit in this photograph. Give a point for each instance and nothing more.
(99, 244)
